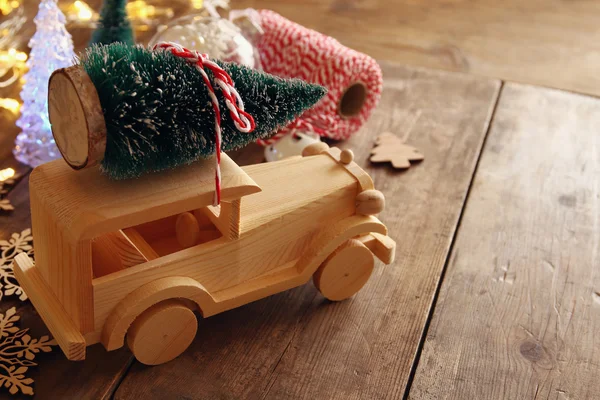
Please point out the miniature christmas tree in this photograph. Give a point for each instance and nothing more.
(51, 48)
(158, 113)
(114, 25)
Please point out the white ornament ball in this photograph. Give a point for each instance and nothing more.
(290, 145)
(220, 38)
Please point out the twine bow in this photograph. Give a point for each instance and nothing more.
(241, 119)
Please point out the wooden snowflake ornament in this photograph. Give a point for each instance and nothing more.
(390, 148)
(6, 206)
(17, 353)
(17, 348)
(18, 243)
(4, 189)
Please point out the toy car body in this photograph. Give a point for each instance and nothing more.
(134, 257)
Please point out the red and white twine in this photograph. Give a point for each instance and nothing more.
(241, 119)
(290, 50)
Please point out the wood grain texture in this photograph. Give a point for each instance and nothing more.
(295, 344)
(545, 42)
(130, 292)
(162, 332)
(86, 206)
(519, 309)
(56, 377)
(66, 333)
(345, 271)
(76, 117)
(113, 252)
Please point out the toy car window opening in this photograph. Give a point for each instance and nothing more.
(115, 251)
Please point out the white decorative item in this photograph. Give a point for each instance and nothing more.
(219, 38)
(51, 48)
(290, 145)
(248, 21)
(211, 6)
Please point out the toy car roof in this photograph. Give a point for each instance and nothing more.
(86, 203)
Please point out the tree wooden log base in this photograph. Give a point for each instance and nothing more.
(162, 332)
(345, 271)
(80, 134)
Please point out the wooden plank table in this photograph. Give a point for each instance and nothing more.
(519, 310)
(544, 42)
(295, 344)
(494, 293)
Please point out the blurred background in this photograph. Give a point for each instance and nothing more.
(551, 43)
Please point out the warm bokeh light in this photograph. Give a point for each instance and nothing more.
(7, 6)
(84, 12)
(11, 56)
(79, 13)
(142, 13)
(11, 105)
(12, 66)
(6, 174)
(198, 4)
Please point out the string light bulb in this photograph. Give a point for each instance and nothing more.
(6, 174)
(80, 13)
(84, 12)
(144, 15)
(12, 56)
(12, 66)
(7, 6)
(11, 105)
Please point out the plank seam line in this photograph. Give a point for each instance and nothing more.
(112, 390)
(417, 357)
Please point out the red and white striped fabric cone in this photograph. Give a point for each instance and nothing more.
(290, 50)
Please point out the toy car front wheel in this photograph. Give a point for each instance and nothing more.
(345, 271)
(162, 332)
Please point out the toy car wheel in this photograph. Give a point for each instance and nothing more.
(162, 332)
(345, 271)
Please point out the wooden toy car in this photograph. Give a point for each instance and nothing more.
(135, 259)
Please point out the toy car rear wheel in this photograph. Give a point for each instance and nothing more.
(162, 332)
(345, 271)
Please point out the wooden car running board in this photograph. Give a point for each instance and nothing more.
(287, 277)
(283, 278)
(70, 340)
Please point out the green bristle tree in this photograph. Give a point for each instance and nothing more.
(158, 111)
(114, 25)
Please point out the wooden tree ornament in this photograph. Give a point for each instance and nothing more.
(390, 148)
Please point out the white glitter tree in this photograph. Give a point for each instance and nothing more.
(51, 48)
